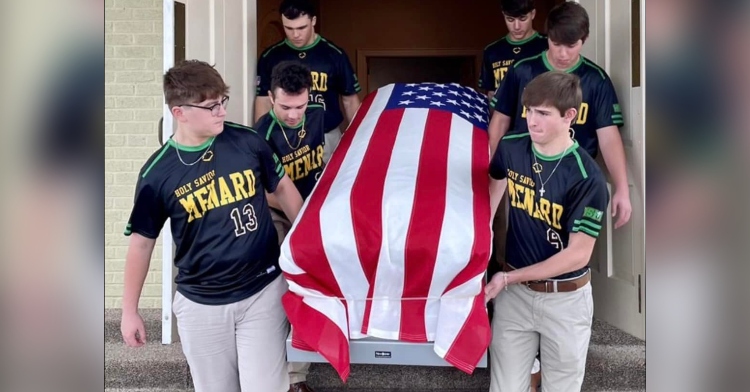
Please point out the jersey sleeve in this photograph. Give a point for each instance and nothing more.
(148, 215)
(263, 79)
(587, 202)
(272, 171)
(486, 77)
(349, 85)
(497, 163)
(506, 97)
(608, 108)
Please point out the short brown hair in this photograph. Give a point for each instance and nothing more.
(192, 81)
(567, 23)
(554, 88)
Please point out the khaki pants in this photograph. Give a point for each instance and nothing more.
(297, 370)
(333, 138)
(526, 320)
(236, 347)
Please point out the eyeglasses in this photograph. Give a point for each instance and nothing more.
(213, 108)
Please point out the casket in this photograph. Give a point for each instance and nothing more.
(393, 242)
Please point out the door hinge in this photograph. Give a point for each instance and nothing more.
(639, 294)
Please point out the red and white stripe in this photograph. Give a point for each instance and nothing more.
(401, 217)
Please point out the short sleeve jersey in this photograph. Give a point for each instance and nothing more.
(226, 244)
(500, 56)
(599, 108)
(332, 74)
(574, 200)
(300, 149)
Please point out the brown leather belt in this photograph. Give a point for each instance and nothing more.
(554, 286)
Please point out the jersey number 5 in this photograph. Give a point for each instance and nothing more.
(252, 222)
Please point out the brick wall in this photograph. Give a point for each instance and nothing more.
(133, 102)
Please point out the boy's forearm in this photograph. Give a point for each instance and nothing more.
(137, 262)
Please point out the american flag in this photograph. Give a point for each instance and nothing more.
(394, 240)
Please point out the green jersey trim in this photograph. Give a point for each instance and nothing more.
(569, 70)
(517, 136)
(331, 45)
(306, 47)
(596, 67)
(523, 41)
(580, 164)
(203, 145)
(555, 157)
(158, 157)
(515, 65)
(272, 48)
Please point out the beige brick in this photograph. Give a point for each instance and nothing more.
(109, 76)
(119, 89)
(108, 203)
(119, 166)
(118, 39)
(148, 115)
(135, 77)
(109, 178)
(109, 252)
(113, 290)
(136, 127)
(109, 153)
(123, 203)
(131, 52)
(108, 127)
(137, 3)
(118, 14)
(151, 290)
(150, 90)
(155, 40)
(114, 265)
(135, 64)
(126, 178)
(118, 115)
(134, 102)
(109, 102)
(133, 27)
(147, 14)
(140, 140)
(108, 4)
(114, 140)
(108, 27)
(112, 64)
(134, 153)
(155, 276)
(148, 303)
(113, 302)
(156, 64)
(121, 251)
(121, 191)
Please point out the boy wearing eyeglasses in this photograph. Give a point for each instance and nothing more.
(210, 179)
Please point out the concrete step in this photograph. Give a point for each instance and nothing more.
(616, 361)
(164, 366)
(601, 332)
(344, 390)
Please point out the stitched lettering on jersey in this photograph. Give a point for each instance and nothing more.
(523, 197)
(499, 69)
(301, 162)
(208, 192)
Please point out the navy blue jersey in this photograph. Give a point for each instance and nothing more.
(500, 55)
(227, 247)
(574, 200)
(599, 108)
(300, 149)
(332, 74)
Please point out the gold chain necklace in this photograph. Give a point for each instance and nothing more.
(301, 134)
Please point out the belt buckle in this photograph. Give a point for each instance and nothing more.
(547, 289)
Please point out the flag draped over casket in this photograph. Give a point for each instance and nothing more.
(394, 240)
